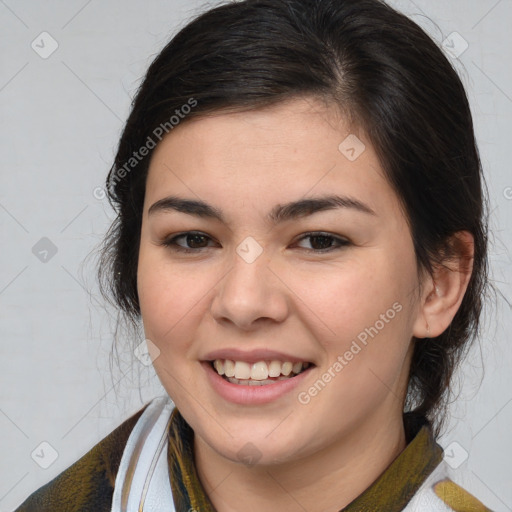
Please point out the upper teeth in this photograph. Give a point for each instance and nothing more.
(257, 371)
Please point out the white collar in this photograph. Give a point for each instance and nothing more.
(142, 482)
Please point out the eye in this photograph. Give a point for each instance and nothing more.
(321, 242)
(191, 241)
(196, 241)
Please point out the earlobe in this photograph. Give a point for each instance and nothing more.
(445, 289)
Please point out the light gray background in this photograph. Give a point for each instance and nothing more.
(61, 119)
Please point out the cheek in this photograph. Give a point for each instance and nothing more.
(172, 304)
(360, 312)
(171, 297)
(358, 297)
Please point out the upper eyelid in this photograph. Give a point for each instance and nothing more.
(171, 238)
(341, 239)
(302, 235)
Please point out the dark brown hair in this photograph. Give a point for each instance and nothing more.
(377, 66)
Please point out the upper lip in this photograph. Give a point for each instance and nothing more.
(253, 356)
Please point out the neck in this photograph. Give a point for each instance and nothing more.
(324, 482)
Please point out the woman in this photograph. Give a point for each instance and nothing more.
(301, 230)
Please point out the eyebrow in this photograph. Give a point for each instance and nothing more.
(280, 213)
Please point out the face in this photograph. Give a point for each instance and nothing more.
(274, 251)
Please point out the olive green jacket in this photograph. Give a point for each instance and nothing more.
(415, 480)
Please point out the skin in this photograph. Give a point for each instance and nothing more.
(321, 455)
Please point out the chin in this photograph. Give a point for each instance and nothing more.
(262, 445)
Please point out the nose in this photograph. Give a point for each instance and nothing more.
(250, 295)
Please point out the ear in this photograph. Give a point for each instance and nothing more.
(443, 292)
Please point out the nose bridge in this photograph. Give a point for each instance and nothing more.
(249, 291)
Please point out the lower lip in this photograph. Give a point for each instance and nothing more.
(253, 395)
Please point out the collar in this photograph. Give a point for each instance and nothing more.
(187, 491)
(391, 491)
(405, 475)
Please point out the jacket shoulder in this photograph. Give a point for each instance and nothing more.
(88, 484)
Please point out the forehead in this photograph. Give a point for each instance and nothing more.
(291, 150)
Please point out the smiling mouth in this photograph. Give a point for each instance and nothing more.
(260, 373)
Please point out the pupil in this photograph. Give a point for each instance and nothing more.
(195, 241)
(325, 242)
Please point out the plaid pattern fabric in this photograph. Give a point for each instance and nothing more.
(88, 485)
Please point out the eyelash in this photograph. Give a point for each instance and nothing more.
(172, 242)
